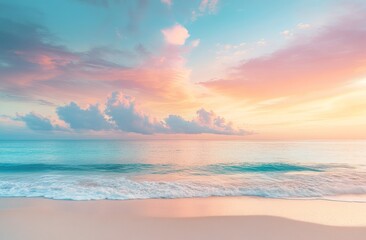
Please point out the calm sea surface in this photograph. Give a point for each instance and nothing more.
(90, 170)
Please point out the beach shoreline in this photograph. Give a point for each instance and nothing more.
(189, 218)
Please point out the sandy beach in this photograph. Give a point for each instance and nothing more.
(202, 218)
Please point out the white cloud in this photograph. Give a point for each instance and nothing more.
(287, 33)
(210, 5)
(205, 6)
(228, 55)
(195, 43)
(303, 25)
(262, 43)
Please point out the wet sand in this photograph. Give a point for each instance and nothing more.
(198, 218)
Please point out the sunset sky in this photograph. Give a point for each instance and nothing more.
(212, 69)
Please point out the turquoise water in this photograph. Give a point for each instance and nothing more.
(91, 170)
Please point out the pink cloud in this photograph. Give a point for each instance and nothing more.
(37, 68)
(56, 73)
(47, 60)
(176, 35)
(333, 56)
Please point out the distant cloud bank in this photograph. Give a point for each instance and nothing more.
(121, 113)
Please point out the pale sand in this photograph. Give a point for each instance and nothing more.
(206, 218)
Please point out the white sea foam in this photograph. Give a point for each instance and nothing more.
(328, 185)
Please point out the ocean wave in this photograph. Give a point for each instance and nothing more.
(262, 167)
(118, 168)
(231, 168)
(318, 184)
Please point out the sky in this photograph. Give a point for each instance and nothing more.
(193, 69)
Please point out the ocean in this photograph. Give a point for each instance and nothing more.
(122, 170)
